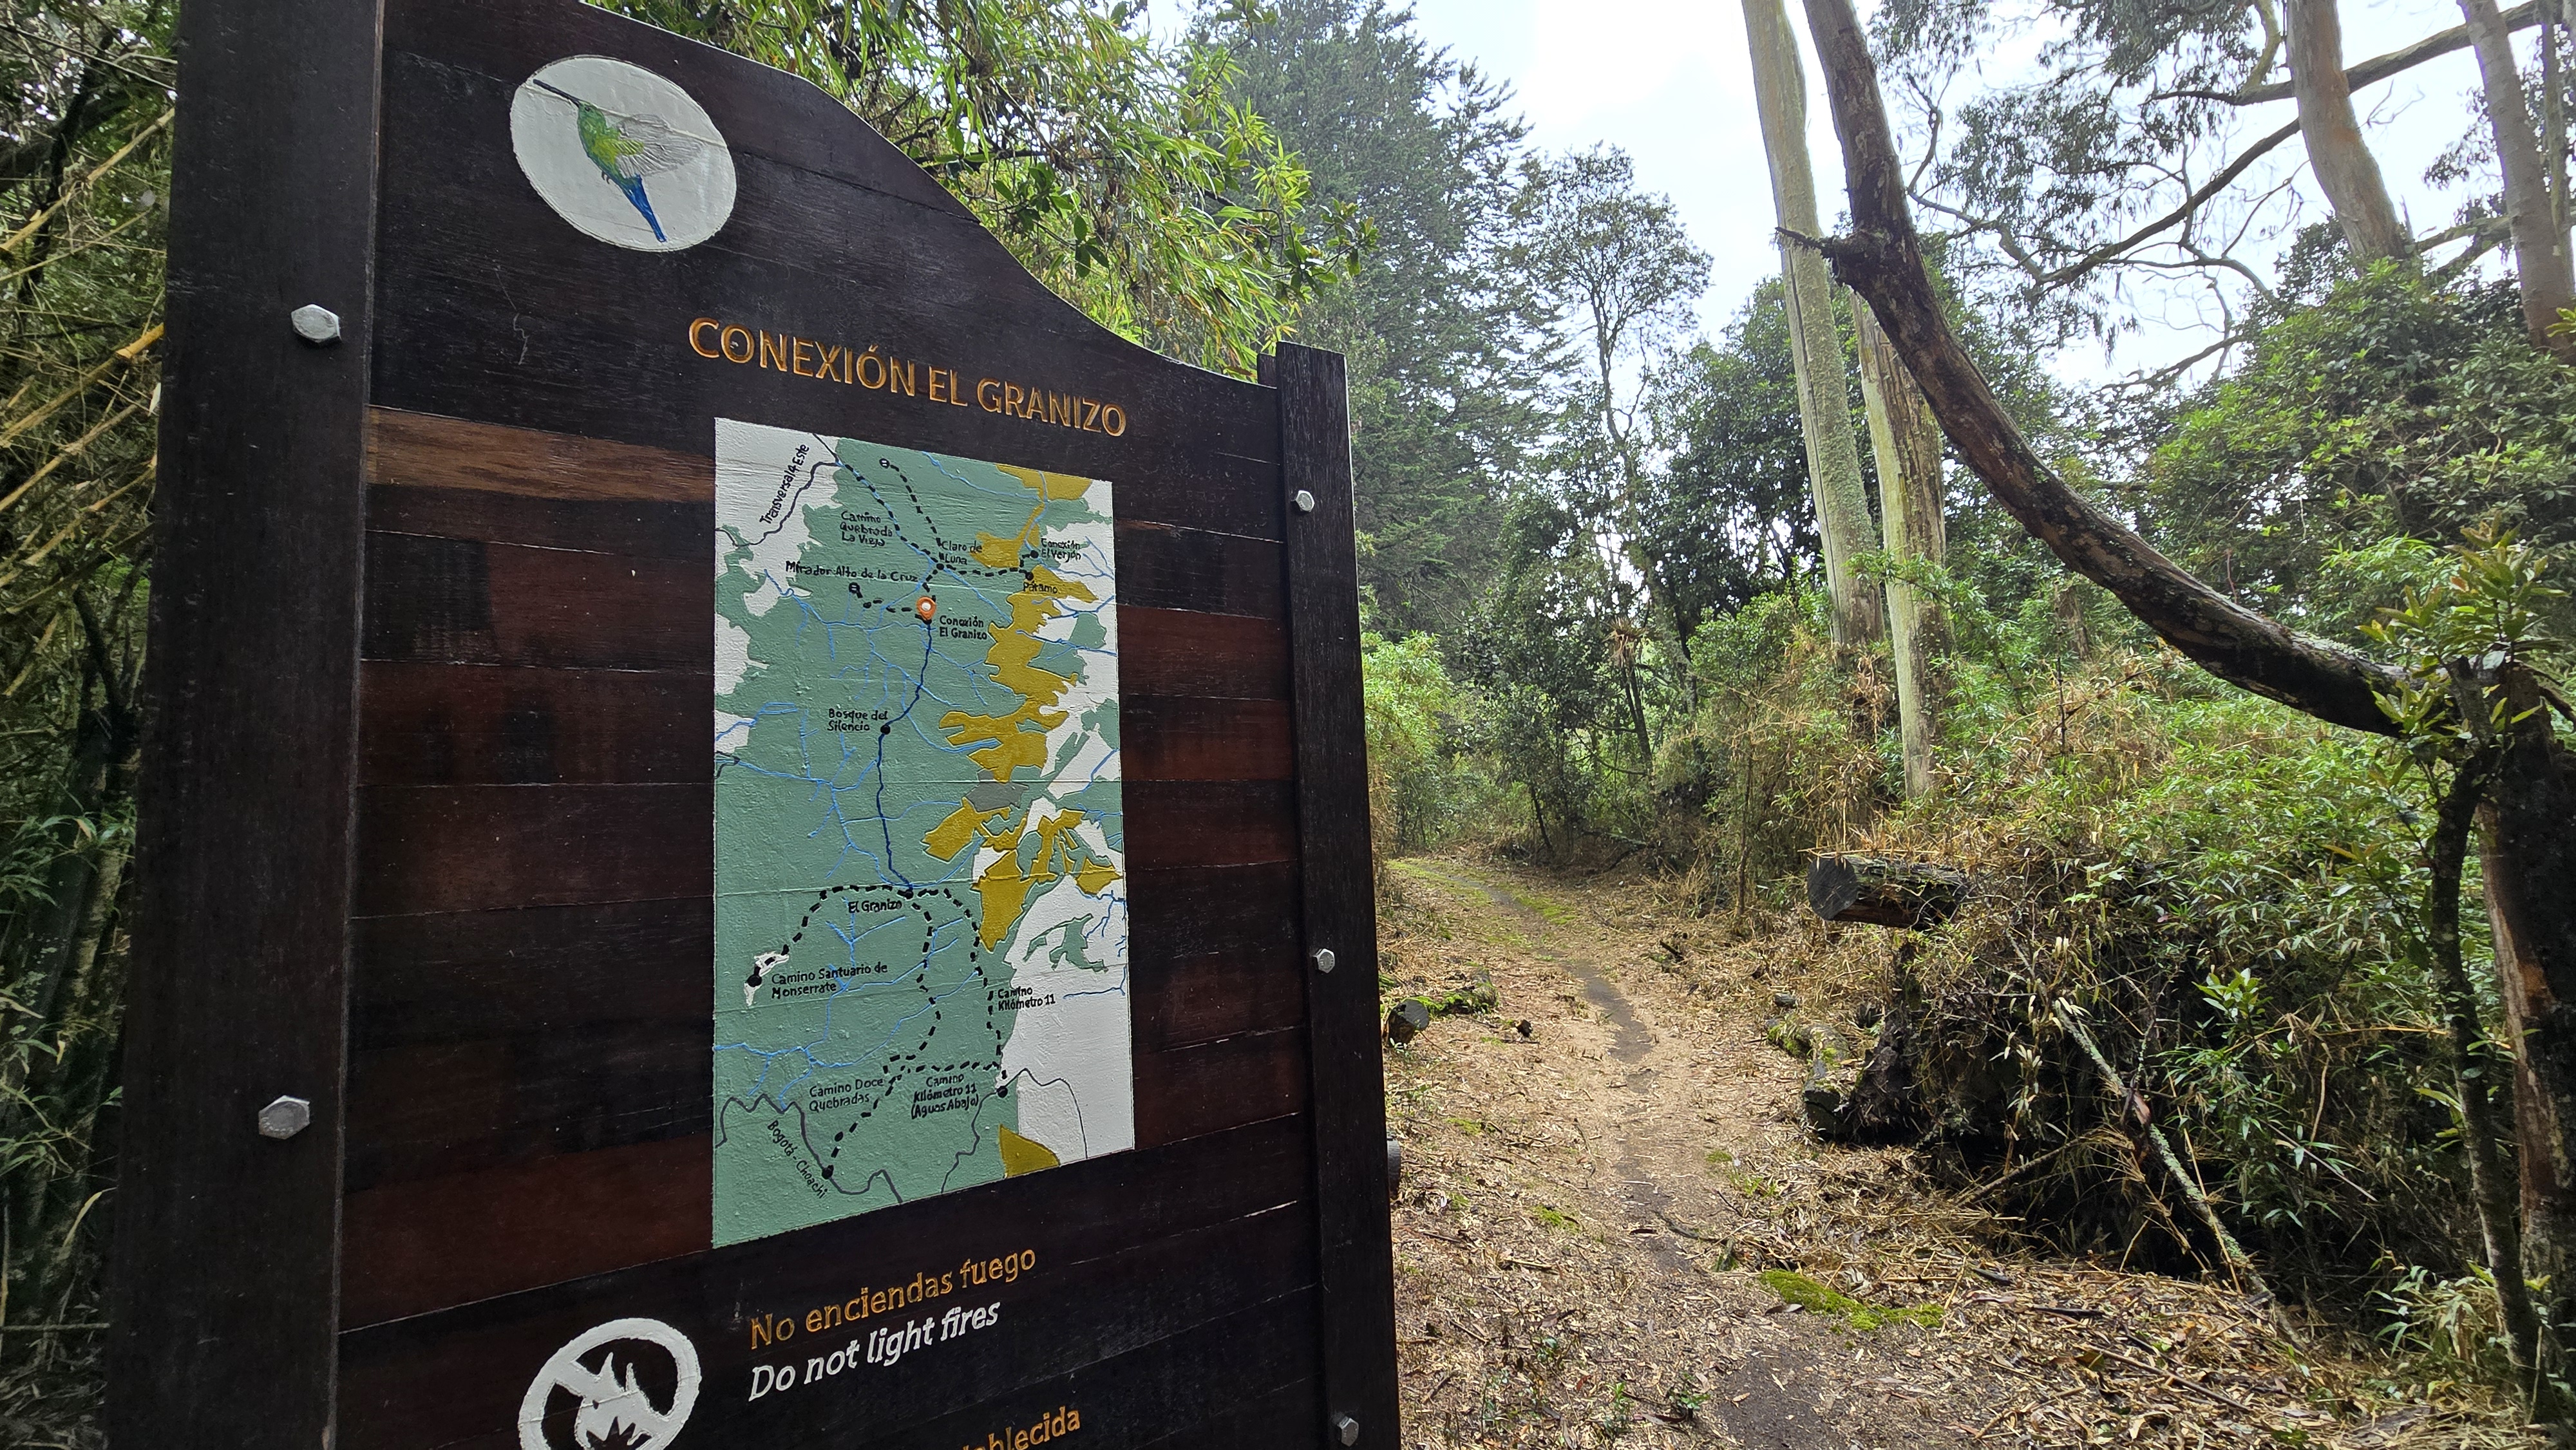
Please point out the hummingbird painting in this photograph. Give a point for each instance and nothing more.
(626, 149)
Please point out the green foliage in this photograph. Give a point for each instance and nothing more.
(2392, 408)
(1422, 788)
(2448, 1326)
(85, 120)
(1114, 166)
(1729, 515)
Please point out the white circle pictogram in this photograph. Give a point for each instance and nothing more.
(622, 154)
(612, 1404)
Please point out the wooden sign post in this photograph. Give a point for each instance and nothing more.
(755, 831)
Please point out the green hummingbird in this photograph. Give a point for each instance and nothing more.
(626, 149)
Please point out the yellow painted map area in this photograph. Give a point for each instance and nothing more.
(1020, 738)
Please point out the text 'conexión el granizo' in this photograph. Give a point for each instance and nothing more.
(878, 371)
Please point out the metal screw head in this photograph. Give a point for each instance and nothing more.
(1323, 959)
(1304, 501)
(1346, 1429)
(316, 324)
(285, 1117)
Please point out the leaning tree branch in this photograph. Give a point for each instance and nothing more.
(1882, 259)
(2404, 58)
(2210, 188)
(2377, 68)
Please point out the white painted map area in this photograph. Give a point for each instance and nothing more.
(920, 849)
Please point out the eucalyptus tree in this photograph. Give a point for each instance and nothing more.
(2476, 689)
(2123, 163)
(1824, 380)
(1622, 277)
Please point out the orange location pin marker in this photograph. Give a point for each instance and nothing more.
(926, 607)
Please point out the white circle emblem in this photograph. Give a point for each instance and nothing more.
(625, 156)
(620, 1400)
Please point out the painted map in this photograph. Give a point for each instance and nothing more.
(920, 863)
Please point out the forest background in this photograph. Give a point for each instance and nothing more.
(1606, 624)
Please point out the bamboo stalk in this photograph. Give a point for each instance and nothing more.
(2238, 1262)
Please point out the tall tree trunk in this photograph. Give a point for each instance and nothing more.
(2528, 857)
(2336, 153)
(2539, 246)
(2527, 851)
(1824, 389)
(2499, 1222)
(1906, 440)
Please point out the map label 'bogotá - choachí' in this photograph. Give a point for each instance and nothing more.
(921, 922)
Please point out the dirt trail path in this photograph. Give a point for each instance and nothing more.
(1589, 1211)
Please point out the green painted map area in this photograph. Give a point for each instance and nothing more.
(920, 854)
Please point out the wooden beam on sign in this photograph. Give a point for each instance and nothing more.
(225, 1278)
(1340, 908)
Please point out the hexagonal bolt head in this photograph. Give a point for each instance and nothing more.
(316, 324)
(1346, 1430)
(1323, 959)
(285, 1117)
(1304, 501)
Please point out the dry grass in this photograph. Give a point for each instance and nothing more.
(1586, 1211)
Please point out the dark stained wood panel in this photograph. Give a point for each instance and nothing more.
(436, 1109)
(224, 1280)
(470, 602)
(408, 451)
(420, 1247)
(1187, 1092)
(1190, 911)
(447, 724)
(1161, 566)
(1191, 739)
(476, 848)
(1179, 652)
(1177, 823)
(472, 976)
(1340, 906)
(1257, 988)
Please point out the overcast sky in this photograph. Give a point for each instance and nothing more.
(1668, 81)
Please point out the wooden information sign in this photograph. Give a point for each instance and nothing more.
(975, 1047)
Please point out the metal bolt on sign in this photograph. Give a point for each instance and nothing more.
(1305, 501)
(285, 1117)
(1323, 959)
(316, 324)
(1346, 1430)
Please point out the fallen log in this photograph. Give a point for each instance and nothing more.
(1910, 894)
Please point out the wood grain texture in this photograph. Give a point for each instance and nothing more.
(449, 724)
(476, 848)
(222, 1336)
(494, 1249)
(429, 1243)
(1340, 909)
